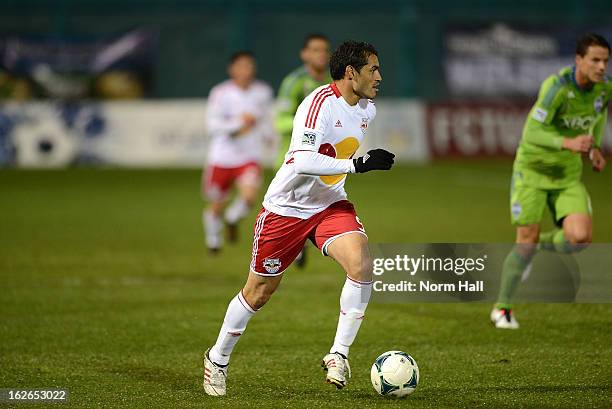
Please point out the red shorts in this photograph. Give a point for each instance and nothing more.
(217, 181)
(279, 239)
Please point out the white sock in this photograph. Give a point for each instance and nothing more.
(237, 210)
(213, 225)
(353, 303)
(236, 318)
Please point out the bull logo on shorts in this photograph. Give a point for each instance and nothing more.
(272, 265)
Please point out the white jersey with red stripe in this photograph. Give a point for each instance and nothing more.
(327, 124)
(226, 105)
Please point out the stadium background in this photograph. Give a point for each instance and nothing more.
(107, 289)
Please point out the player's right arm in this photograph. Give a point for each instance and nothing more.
(539, 129)
(599, 129)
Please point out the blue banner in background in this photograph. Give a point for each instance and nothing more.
(69, 68)
(500, 60)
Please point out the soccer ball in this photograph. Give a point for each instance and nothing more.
(395, 373)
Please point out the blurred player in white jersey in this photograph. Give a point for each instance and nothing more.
(239, 122)
(307, 200)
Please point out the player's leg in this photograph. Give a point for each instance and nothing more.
(341, 235)
(578, 230)
(516, 262)
(276, 242)
(248, 181)
(527, 207)
(254, 295)
(352, 253)
(572, 211)
(214, 188)
(515, 266)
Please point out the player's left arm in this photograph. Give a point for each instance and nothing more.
(597, 159)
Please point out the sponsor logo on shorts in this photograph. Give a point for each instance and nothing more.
(309, 138)
(516, 210)
(272, 265)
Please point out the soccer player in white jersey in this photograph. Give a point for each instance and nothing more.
(239, 121)
(306, 200)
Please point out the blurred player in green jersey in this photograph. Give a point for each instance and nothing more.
(294, 88)
(298, 84)
(567, 121)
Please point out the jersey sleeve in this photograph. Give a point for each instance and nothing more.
(313, 128)
(316, 164)
(219, 118)
(289, 97)
(539, 129)
(599, 129)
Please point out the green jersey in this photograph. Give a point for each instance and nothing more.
(294, 88)
(563, 109)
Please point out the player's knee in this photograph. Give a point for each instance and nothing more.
(259, 295)
(359, 268)
(528, 235)
(577, 236)
(216, 208)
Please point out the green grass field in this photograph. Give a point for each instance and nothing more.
(107, 291)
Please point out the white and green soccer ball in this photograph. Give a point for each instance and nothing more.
(395, 373)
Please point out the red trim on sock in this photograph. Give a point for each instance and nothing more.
(247, 306)
(359, 282)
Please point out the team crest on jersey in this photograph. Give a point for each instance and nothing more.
(309, 138)
(364, 125)
(272, 265)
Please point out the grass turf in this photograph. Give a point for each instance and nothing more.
(107, 291)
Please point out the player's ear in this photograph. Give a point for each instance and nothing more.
(350, 72)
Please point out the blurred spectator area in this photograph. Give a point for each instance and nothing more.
(194, 38)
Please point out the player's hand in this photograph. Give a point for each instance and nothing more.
(248, 122)
(579, 144)
(597, 159)
(376, 159)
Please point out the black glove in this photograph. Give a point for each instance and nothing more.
(376, 159)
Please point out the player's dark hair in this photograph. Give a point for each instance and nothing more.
(588, 40)
(239, 54)
(314, 36)
(351, 53)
